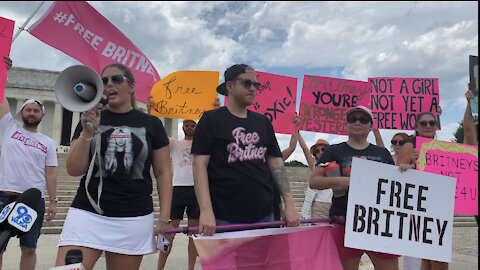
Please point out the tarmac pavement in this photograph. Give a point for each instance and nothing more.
(464, 253)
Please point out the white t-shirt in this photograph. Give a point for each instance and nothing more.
(24, 157)
(324, 195)
(182, 158)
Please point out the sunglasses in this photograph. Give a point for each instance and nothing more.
(116, 79)
(248, 83)
(353, 119)
(432, 123)
(318, 151)
(395, 142)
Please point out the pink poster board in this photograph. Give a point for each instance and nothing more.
(6, 33)
(276, 99)
(454, 160)
(325, 100)
(397, 101)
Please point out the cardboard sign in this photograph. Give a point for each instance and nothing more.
(276, 99)
(185, 94)
(409, 213)
(6, 33)
(455, 160)
(325, 100)
(397, 101)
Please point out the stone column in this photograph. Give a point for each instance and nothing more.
(57, 123)
(46, 126)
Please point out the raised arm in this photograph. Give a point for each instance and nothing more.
(4, 108)
(378, 138)
(306, 152)
(469, 130)
(293, 140)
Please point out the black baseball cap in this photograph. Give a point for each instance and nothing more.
(230, 74)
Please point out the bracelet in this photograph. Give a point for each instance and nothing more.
(54, 199)
(165, 221)
(86, 139)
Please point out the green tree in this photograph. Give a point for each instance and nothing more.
(294, 163)
(459, 132)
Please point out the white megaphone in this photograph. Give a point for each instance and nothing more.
(79, 88)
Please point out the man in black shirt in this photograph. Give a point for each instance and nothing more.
(359, 124)
(235, 157)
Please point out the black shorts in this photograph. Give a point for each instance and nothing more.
(184, 197)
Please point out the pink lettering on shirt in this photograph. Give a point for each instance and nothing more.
(250, 152)
(29, 142)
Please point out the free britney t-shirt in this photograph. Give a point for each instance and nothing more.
(241, 186)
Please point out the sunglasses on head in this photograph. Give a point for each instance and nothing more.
(318, 150)
(116, 79)
(248, 83)
(432, 123)
(353, 119)
(399, 142)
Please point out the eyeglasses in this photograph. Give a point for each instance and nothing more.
(399, 142)
(432, 123)
(318, 150)
(248, 83)
(353, 119)
(116, 79)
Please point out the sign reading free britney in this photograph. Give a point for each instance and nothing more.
(325, 100)
(454, 160)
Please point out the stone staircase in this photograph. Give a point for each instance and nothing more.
(67, 187)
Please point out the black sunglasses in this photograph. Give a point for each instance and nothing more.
(116, 79)
(318, 151)
(248, 83)
(353, 119)
(432, 123)
(395, 142)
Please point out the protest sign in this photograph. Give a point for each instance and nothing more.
(278, 248)
(276, 99)
(77, 29)
(473, 84)
(185, 94)
(455, 160)
(325, 100)
(397, 101)
(409, 213)
(6, 33)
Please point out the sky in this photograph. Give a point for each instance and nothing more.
(351, 40)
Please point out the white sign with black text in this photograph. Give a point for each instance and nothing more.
(409, 213)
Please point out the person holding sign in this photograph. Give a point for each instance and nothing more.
(359, 124)
(425, 126)
(235, 158)
(112, 211)
(28, 160)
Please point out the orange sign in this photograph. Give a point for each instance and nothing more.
(185, 94)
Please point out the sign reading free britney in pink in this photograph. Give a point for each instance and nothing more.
(454, 160)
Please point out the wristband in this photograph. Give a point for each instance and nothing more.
(86, 139)
(54, 199)
(165, 221)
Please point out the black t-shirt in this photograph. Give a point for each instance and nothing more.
(343, 154)
(241, 186)
(128, 140)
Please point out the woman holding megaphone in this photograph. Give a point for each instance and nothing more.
(113, 210)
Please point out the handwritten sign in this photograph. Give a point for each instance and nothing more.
(409, 213)
(325, 100)
(185, 94)
(397, 101)
(276, 99)
(6, 33)
(454, 160)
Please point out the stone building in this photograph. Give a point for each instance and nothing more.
(58, 123)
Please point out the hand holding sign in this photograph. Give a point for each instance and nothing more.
(6, 33)
(184, 94)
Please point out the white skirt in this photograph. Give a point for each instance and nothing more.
(124, 235)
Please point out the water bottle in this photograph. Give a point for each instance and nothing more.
(333, 169)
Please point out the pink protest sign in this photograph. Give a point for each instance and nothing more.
(6, 33)
(276, 99)
(454, 160)
(325, 100)
(77, 29)
(397, 101)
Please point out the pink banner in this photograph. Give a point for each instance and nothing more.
(397, 101)
(300, 248)
(6, 33)
(276, 99)
(78, 30)
(325, 100)
(454, 160)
